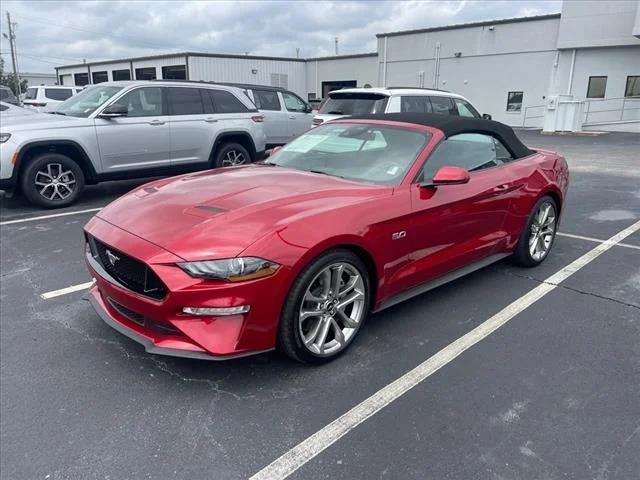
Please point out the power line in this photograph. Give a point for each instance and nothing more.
(38, 55)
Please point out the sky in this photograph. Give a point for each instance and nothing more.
(51, 33)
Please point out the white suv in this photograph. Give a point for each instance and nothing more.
(359, 101)
(44, 98)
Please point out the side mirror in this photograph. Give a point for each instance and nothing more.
(486, 116)
(272, 151)
(449, 176)
(114, 111)
(308, 108)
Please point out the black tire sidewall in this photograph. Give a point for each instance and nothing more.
(28, 178)
(226, 148)
(289, 340)
(522, 255)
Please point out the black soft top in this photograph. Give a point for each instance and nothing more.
(452, 125)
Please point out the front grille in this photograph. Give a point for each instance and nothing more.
(142, 320)
(131, 273)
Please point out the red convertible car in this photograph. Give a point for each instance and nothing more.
(350, 218)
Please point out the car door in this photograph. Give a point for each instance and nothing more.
(192, 127)
(141, 139)
(276, 118)
(443, 105)
(457, 225)
(299, 114)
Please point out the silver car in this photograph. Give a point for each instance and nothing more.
(286, 115)
(117, 130)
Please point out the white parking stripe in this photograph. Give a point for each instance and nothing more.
(595, 240)
(64, 291)
(306, 450)
(53, 215)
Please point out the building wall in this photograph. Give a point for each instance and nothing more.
(362, 69)
(240, 70)
(35, 79)
(598, 24)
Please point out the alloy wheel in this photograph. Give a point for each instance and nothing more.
(542, 231)
(233, 157)
(55, 183)
(332, 309)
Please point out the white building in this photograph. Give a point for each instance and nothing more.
(34, 79)
(510, 68)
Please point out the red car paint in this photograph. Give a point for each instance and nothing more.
(290, 217)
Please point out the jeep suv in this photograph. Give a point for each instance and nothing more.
(45, 98)
(358, 101)
(117, 130)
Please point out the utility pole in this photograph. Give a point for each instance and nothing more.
(14, 57)
(335, 40)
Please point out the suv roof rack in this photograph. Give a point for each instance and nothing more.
(418, 88)
(224, 84)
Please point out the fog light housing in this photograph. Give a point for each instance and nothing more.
(216, 311)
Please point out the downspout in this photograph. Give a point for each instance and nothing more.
(436, 70)
(89, 74)
(573, 65)
(131, 70)
(186, 66)
(384, 63)
(57, 77)
(316, 88)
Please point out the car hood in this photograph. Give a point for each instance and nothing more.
(39, 121)
(219, 213)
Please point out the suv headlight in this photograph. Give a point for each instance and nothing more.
(231, 269)
(4, 137)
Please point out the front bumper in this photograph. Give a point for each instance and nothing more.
(161, 327)
(7, 171)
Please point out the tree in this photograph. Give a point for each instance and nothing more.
(9, 80)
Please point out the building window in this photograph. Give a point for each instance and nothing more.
(148, 73)
(633, 86)
(119, 75)
(81, 79)
(597, 87)
(514, 101)
(280, 80)
(174, 72)
(99, 77)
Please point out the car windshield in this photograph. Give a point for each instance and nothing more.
(354, 103)
(86, 102)
(362, 152)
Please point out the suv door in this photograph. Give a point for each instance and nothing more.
(139, 140)
(473, 213)
(193, 127)
(443, 105)
(276, 120)
(299, 114)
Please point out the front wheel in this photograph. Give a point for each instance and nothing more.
(52, 180)
(539, 233)
(325, 308)
(231, 154)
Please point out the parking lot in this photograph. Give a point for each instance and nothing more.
(553, 393)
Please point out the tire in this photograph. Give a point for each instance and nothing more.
(524, 254)
(231, 154)
(311, 283)
(46, 169)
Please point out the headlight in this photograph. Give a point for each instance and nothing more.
(4, 137)
(231, 269)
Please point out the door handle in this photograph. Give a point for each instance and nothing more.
(501, 188)
(292, 117)
(156, 122)
(211, 120)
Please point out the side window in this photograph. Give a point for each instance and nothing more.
(443, 105)
(472, 151)
(415, 104)
(58, 93)
(184, 101)
(266, 99)
(225, 102)
(293, 103)
(465, 109)
(143, 102)
(32, 94)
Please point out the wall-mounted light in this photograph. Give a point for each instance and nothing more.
(457, 54)
(254, 71)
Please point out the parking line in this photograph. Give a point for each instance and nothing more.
(64, 291)
(306, 450)
(53, 215)
(595, 240)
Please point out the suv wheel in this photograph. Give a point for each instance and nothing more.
(231, 154)
(52, 180)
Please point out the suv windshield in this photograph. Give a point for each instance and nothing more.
(86, 102)
(354, 103)
(368, 153)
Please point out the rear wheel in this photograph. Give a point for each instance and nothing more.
(539, 233)
(52, 180)
(325, 308)
(231, 154)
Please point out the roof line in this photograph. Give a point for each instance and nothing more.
(471, 24)
(339, 57)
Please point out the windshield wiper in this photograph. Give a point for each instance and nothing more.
(57, 113)
(335, 112)
(325, 173)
